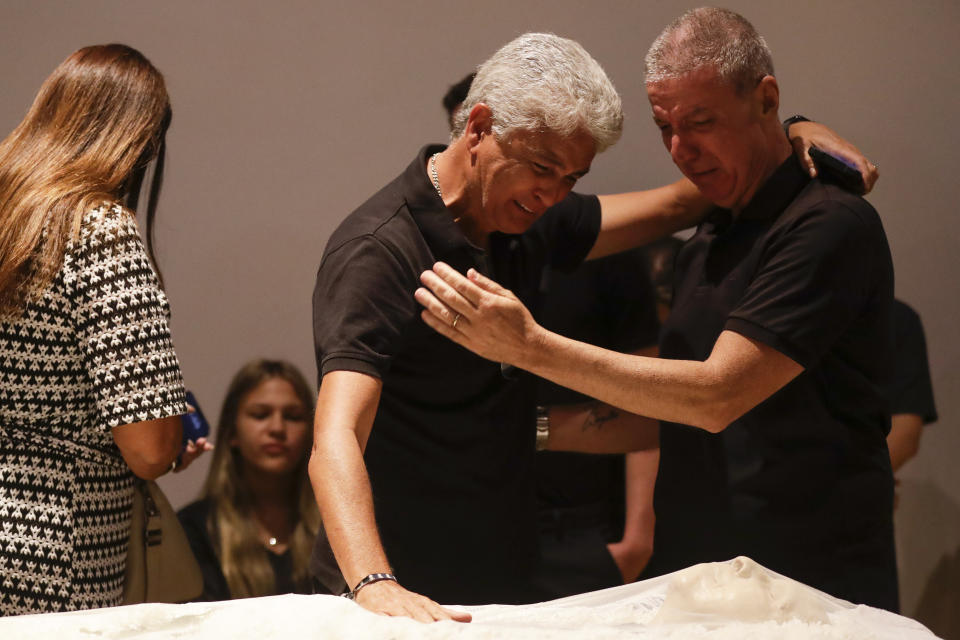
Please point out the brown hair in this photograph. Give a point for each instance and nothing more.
(94, 126)
(232, 524)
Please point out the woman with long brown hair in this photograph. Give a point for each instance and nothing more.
(253, 530)
(90, 387)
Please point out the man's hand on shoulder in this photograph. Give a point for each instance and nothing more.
(388, 598)
(803, 135)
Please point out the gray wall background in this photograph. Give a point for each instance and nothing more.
(289, 114)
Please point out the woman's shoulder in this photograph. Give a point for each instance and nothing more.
(105, 223)
(108, 240)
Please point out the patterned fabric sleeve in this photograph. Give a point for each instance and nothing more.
(122, 323)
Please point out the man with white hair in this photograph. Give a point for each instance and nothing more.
(774, 357)
(440, 441)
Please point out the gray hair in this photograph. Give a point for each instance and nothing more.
(540, 81)
(710, 37)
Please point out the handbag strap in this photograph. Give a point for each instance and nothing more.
(173, 574)
(153, 522)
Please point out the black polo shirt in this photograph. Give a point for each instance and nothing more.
(802, 482)
(450, 457)
(608, 302)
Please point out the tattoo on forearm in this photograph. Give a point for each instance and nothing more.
(600, 415)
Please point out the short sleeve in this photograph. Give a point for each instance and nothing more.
(122, 320)
(815, 277)
(568, 230)
(362, 301)
(911, 390)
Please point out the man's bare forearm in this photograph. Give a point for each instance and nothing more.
(599, 428)
(633, 551)
(738, 375)
(343, 494)
(346, 406)
(903, 441)
(633, 219)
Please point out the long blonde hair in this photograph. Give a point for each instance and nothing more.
(94, 126)
(232, 523)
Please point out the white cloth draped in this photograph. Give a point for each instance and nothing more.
(632, 611)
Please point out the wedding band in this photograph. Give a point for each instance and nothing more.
(456, 319)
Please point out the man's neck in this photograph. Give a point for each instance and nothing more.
(779, 151)
(463, 202)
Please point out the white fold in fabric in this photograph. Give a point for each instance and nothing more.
(737, 599)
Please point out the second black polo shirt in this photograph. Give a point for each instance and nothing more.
(802, 482)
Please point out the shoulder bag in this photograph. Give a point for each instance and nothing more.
(161, 566)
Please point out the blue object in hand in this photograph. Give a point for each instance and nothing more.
(837, 169)
(194, 424)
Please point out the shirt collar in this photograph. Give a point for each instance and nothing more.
(432, 217)
(777, 192)
(771, 198)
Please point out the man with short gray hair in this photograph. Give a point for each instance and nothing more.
(439, 440)
(446, 438)
(528, 90)
(773, 360)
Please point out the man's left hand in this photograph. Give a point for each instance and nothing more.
(476, 313)
(803, 135)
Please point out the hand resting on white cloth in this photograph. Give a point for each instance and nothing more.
(735, 599)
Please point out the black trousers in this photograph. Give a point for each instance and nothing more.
(573, 553)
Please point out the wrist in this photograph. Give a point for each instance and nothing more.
(368, 580)
(530, 356)
(635, 546)
(792, 120)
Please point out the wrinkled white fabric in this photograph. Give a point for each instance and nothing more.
(737, 600)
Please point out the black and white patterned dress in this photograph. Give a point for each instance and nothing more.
(93, 353)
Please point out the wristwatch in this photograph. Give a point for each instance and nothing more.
(543, 428)
(793, 120)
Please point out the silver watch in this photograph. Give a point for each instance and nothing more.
(543, 428)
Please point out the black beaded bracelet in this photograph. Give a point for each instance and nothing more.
(370, 579)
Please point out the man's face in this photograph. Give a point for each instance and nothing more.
(521, 177)
(714, 135)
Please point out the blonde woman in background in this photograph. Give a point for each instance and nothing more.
(253, 530)
(90, 387)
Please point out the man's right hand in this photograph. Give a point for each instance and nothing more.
(388, 598)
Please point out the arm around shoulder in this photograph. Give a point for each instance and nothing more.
(633, 219)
